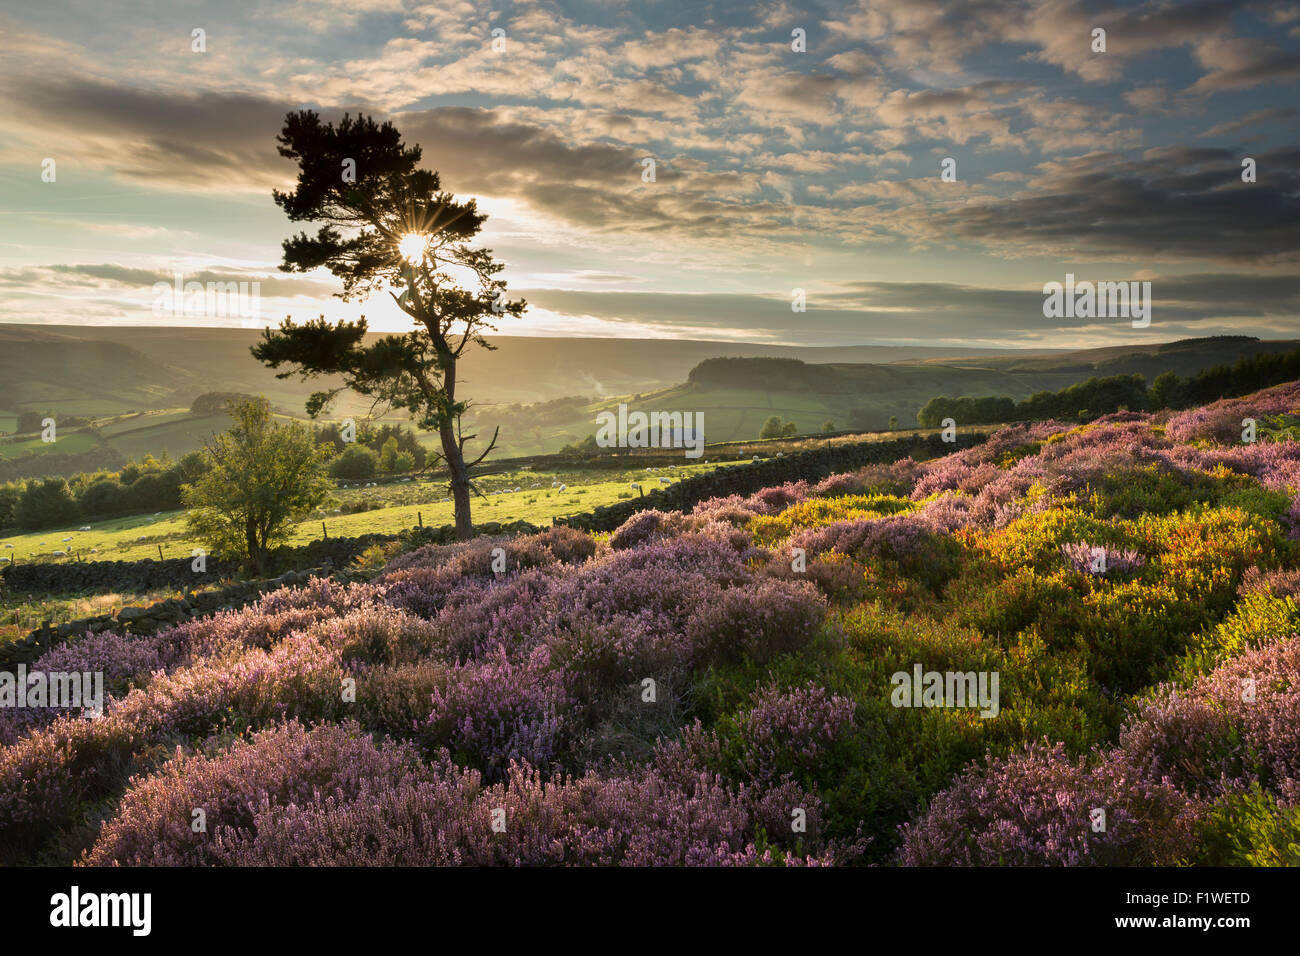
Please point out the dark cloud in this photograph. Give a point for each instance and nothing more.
(213, 140)
(164, 137)
(269, 285)
(1174, 203)
(1240, 64)
(121, 275)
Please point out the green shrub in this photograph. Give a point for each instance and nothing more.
(356, 462)
(1256, 618)
(1249, 829)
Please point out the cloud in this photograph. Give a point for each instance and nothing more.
(1147, 98)
(225, 143)
(1250, 119)
(102, 275)
(1239, 63)
(205, 140)
(1172, 204)
(768, 161)
(943, 313)
(672, 46)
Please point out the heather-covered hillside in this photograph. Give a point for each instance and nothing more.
(719, 687)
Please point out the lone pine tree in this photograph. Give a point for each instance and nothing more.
(387, 225)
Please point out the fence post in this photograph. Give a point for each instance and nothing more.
(324, 531)
(160, 556)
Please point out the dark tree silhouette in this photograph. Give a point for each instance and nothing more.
(388, 225)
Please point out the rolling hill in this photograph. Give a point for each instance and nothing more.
(137, 385)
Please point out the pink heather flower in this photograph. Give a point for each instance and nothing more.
(1092, 559)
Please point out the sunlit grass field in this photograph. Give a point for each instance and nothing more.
(21, 613)
(394, 507)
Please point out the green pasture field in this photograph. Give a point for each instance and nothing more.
(151, 419)
(67, 442)
(174, 436)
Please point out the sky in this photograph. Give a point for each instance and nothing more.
(795, 147)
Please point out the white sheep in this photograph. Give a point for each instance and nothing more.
(8, 545)
(636, 486)
(84, 527)
(66, 540)
(94, 550)
(564, 487)
(665, 481)
(60, 554)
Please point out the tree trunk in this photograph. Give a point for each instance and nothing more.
(254, 548)
(452, 452)
(459, 483)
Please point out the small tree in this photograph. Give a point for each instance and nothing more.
(262, 478)
(771, 428)
(10, 494)
(104, 498)
(357, 462)
(392, 460)
(1167, 391)
(30, 421)
(388, 227)
(388, 456)
(587, 446)
(46, 503)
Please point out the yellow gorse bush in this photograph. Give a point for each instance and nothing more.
(817, 512)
